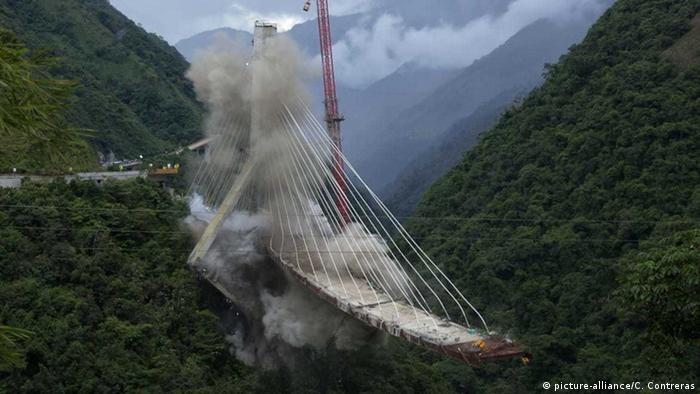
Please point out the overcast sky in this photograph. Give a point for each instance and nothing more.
(398, 31)
(374, 50)
(178, 19)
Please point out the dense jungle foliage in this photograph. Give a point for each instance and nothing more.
(573, 223)
(133, 93)
(98, 277)
(573, 226)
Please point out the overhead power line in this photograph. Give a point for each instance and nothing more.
(412, 217)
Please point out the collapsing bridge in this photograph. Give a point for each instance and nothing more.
(273, 159)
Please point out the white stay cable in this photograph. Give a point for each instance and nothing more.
(376, 272)
(421, 254)
(396, 268)
(319, 131)
(354, 193)
(326, 200)
(306, 197)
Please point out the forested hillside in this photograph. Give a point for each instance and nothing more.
(573, 224)
(132, 93)
(34, 133)
(517, 65)
(97, 276)
(408, 188)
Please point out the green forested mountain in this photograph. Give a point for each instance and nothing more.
(573, 223)
(133, 91)
(34, 134)
(435, 162)
(98, 277)
(419, 129)
(574, 226)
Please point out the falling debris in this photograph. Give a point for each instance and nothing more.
(279, 320)
(280, 245)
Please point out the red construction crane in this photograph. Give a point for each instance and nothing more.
(333, 117)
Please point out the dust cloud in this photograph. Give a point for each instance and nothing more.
(279, 321)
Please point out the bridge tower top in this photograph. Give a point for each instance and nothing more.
(263, 31)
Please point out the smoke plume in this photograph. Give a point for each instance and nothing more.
(280, 319)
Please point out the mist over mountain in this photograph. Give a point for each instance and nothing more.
(380, 37)
(304, 34)
(456, 12)
(190, 46)
(517, 65)
(384, 40)
(404, 193)
(368, 110)
(582, 203)
(412, 59)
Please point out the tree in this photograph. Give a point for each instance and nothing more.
(32, 110)
(662, 283)
(11, 354)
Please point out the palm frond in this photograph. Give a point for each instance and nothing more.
(11, 354)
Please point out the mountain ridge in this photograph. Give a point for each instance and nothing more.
(519, 62)
(553, 223)
(189, 47)
(408, 188)
(133, 92)
(305, 34)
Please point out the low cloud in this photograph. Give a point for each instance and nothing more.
(240, 17)
(242, 14)
(377, 48)
(179, 19)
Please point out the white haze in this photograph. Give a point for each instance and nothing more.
(382, 41)
(281, 320)
(179, 19)
(376, 49)
(242, 14)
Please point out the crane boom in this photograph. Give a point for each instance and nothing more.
(333, 117)
(324, 28)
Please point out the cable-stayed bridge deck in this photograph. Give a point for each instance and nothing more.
(318, 219)
(364, 302)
